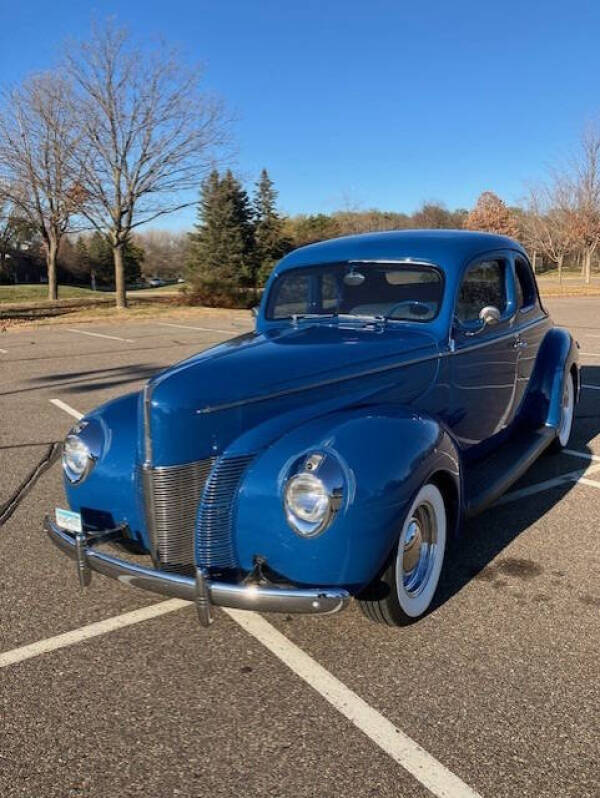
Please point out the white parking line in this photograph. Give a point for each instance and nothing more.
(190, 327)
(591, 387)
(590, 354)
(538, 487)
(89, 631)
(593, 483)
(399, 746)
(67, 408)
(102, 335)
(583, 455)
(4, 351)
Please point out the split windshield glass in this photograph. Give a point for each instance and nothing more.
(401, 292)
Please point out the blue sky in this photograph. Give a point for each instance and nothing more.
(368, 104)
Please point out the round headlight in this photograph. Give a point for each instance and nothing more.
(307, 498)
(77, 459)
(313, 493)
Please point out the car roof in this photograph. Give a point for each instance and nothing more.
(449, 249)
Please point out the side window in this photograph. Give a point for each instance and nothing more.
(483, 284)
(525, 284)
(329, 292)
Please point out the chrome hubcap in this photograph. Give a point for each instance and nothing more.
(419, 549)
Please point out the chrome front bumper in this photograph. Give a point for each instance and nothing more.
(201, 590)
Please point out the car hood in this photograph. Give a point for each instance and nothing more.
(224, 390)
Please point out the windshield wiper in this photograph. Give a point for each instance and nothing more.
(296, 317)
(359, 317)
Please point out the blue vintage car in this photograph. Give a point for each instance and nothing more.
(395, 384)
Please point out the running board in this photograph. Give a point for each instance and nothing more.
(486, 480)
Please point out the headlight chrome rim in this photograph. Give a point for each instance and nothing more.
(322, 475)
(74, 447)
(81, 449)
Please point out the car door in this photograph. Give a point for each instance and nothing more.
(531, 324)
(484, 358)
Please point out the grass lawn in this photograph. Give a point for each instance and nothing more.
(39, 292)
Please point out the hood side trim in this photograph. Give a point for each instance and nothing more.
(314, 385)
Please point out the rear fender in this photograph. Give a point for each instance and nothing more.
(556, 357)
(385, 455)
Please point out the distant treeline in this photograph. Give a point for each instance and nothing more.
(239, 237)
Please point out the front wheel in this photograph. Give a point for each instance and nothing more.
(566, 415)
(404, 591)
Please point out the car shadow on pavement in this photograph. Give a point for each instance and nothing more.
(483, 538)
(91, 380)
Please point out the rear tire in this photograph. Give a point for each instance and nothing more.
(566, 416)
(405, 589)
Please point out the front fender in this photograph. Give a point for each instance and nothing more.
(557, 356)
(385, 455)
(112, 493)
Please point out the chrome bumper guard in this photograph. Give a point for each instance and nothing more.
(202, 591)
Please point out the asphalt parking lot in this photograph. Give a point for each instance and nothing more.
(499, 686)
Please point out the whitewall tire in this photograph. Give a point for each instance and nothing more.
(567, 412)
(406, 588)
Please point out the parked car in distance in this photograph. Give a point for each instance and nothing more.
(155, 282)
(395, 384)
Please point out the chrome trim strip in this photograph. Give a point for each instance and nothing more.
(261, 598)
(395, 261)
(149, 509)
(147, 399)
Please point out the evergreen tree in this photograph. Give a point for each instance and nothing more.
(221, 260)
(99, 254)
(83, 261)
(100, 258)
(271, 242)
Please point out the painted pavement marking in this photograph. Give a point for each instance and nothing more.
(102, 335)
(87, 632)
(67, 408)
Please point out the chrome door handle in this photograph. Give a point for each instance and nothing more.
(519, 343)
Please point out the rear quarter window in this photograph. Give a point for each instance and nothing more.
(525, 284)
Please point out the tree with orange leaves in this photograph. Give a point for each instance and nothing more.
(491, 215)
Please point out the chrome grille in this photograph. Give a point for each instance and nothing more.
(214, 545)
(172, 494)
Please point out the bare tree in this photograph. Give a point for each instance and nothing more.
(584, 183)
(150, 134)
(548, 221)
(38, 140)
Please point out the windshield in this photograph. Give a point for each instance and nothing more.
(403, 292)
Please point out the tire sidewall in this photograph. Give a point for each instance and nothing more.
(415, 606)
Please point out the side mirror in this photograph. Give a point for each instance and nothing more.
(488, 316)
